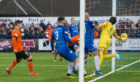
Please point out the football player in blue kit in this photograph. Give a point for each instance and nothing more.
(60, 35)
(89, 42)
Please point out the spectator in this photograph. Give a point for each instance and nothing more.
(27, 32)
(3, 24)
(54, 26)
(119, 27)
(11, 26)
(73, 28)
(39, 31)
(125, 25)
(42, 25)
(22, 31)
(138, 23)
(48, 32)
(11, 23)
(133, 27)
(32, 25)
(138, 26)
(9, 31)
(66, 24)
(49, 23)
(128, 26)
(32, 31)
(3, 32)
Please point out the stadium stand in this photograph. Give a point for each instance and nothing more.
(123, 26)
(55, 8)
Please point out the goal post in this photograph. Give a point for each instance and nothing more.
(82, 41)
(113, 38)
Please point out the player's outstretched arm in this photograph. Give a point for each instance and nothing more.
(117, 36)
(66, 36)
(102, 25)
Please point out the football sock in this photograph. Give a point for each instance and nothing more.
(101, 59)
(77, 67)
(70, 67)
(30, 65)
(108, 56)
(96, 61)
(13, 64)
(85, 72)
(55, 57)
(61, 58)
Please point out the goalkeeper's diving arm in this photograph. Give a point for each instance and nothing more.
(117, 36)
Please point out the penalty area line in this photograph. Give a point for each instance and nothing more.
(114, 71)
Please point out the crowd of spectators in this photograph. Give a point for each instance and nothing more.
(31, 31)
(123, 26)
(128, 26)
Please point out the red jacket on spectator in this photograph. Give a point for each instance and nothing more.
(3, 25)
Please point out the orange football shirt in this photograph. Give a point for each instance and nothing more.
(75, 40)
(17, 40)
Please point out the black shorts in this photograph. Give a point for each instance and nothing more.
(72, 48)
(22, 55)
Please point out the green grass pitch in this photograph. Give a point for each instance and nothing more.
(50, 71)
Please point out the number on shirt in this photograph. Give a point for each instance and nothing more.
(56, 33)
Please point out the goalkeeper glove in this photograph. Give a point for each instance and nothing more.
(123, 40)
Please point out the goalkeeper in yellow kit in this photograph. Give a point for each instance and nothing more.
(105, 40)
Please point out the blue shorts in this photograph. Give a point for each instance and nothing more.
(67, 53)
(90, 48)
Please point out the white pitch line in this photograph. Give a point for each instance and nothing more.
(62, 65)
(114, 71)
(130, 71)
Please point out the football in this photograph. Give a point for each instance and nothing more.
(124, 37)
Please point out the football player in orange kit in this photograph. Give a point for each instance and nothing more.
(18, 49)
(75, 40)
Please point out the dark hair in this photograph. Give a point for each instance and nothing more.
(61, 19)
(72, 18)
(113, 20)
(18, 22)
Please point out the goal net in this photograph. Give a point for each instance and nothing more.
(128, 21)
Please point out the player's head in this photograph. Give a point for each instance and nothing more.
(61, 20)
(113, 20)
(86, 16)
(73, 21)
(18, 23)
